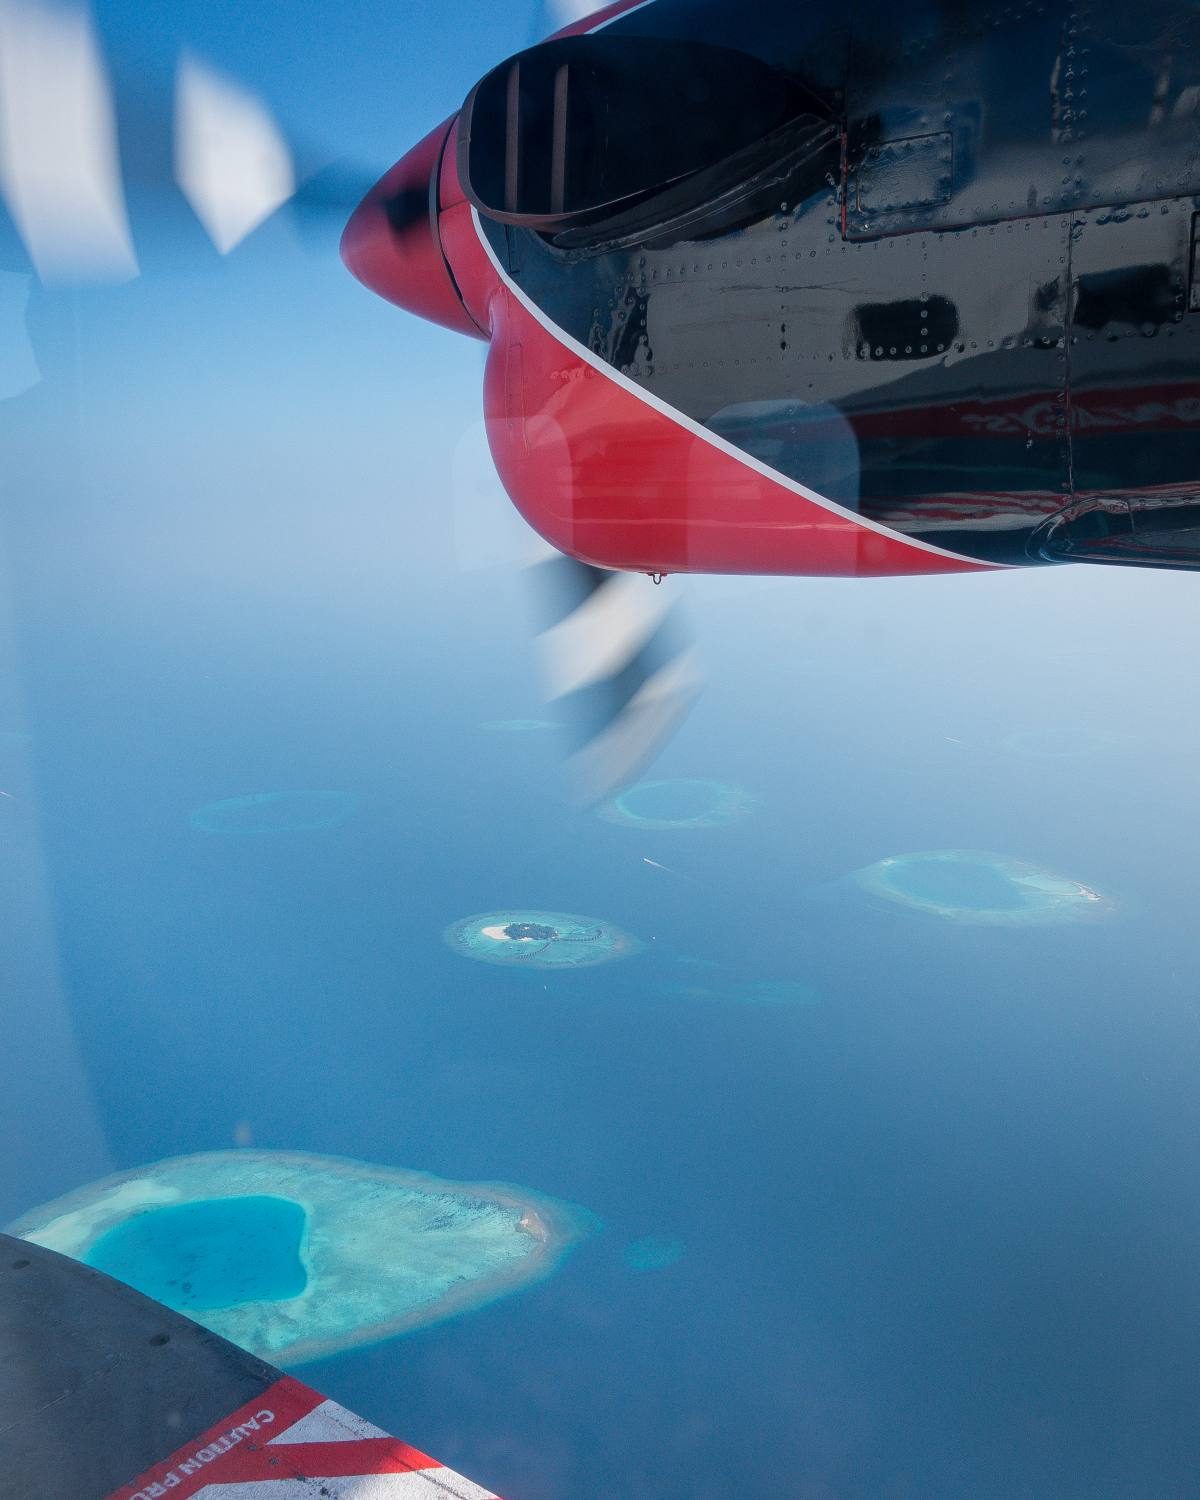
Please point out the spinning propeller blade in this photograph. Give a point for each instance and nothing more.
(620, 666)
(617, 659)
(67, 184)
(60, 173)
(232, 162)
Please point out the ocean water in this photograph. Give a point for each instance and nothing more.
(933, 1235)
(886, 1206)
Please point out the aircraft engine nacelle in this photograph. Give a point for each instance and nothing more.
(762, 301)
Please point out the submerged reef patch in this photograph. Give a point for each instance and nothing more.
(296, 1257)
(766, 992)
(539, 939)
(517, 726)
(678, 803)
(1064, 742)
(276, 812)
(653, 1252)
(775, 992)
(970, 886)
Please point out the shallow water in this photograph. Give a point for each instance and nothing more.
(961, 883)
(216, 1252)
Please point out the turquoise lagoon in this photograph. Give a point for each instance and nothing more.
(215, 1252)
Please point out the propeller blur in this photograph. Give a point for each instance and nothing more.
(66, 183)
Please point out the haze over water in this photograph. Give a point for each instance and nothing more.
(939, 1232)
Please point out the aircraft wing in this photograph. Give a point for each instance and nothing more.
(107, 1395)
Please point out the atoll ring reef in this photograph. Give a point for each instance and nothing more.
(980, 888)
(677, 803)
(296, 1257)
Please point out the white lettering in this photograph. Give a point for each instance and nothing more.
(159, 1487)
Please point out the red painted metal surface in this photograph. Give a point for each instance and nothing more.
(598, 18)
(290, 1439)
(606, 477)
(392, 244)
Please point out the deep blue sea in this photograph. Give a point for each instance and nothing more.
(928, 1230)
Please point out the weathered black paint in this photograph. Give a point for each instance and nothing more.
(97, 1382)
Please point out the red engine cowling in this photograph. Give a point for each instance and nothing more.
(604, 471)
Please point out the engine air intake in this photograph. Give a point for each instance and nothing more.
(580, 131)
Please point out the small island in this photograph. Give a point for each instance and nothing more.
(296, 1257)
(539, 939)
